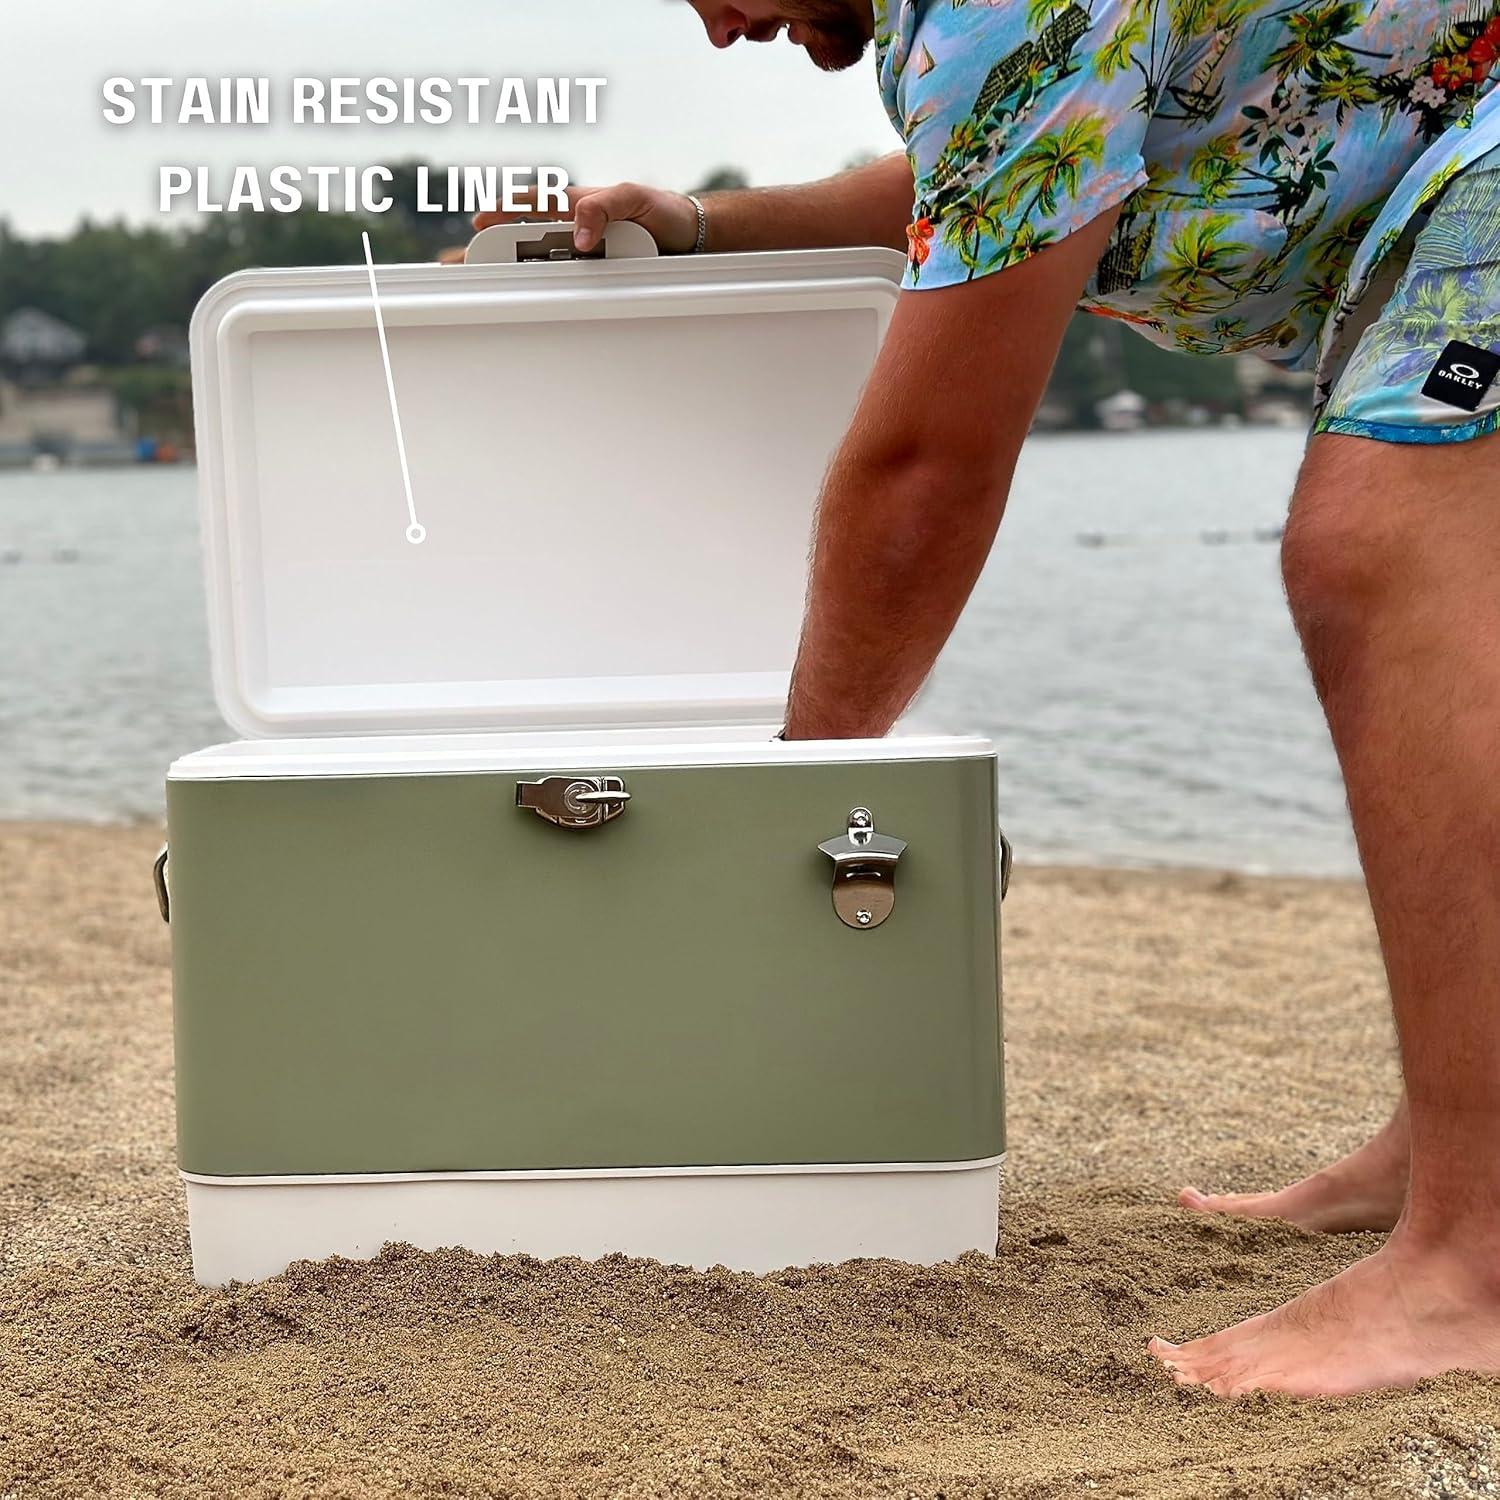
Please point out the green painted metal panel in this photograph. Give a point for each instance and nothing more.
(408, 973)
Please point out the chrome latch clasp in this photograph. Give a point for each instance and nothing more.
(557, 244)
(574, 801)
(864, 871)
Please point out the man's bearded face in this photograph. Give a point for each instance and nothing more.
(833, 33)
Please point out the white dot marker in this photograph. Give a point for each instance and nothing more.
(416, 533)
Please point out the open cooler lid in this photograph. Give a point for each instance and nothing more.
(614, 463)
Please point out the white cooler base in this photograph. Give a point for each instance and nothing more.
(747, 1218)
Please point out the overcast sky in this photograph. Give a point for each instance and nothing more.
(675, 109)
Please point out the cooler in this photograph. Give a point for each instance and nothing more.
(508, 924)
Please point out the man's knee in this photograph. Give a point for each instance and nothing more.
(1351, 542)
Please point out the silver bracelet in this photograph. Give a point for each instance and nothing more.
(702, 213)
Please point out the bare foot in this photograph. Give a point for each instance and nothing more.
(1366, 1190)
(1407, 1312)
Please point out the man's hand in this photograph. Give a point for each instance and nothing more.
(670, 218)
(912, 501)
(868, 205)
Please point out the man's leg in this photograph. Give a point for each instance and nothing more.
(1392, 562)
(1440, 284)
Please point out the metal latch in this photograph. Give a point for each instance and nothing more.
(557, 244)
(864, 871)
(574, 801)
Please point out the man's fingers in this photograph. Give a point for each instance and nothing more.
(669, 218)
(529, 209)
(594, 211)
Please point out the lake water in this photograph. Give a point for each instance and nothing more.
(1127, 648)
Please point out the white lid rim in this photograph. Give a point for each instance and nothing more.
(490, 753)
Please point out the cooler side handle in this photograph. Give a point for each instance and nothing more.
(159, 880)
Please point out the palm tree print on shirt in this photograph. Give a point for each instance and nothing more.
(1247, 144)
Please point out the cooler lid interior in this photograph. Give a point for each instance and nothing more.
(614, 464)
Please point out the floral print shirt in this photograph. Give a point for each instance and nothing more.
(1250, 145)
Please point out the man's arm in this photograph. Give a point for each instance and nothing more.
(912, 501)
(869, 205)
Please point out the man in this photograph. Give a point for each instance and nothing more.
(1225, 175)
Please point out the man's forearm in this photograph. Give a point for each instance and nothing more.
(869, 205)
(910, 507)
(895, 562)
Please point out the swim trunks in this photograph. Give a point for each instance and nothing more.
(1426, 367)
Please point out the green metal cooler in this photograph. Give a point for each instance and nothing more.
(508, 924)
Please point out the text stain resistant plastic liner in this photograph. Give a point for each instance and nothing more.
(507, 924)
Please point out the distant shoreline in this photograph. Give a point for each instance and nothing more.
(1051, 863)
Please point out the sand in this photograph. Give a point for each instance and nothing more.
(1162, 1027)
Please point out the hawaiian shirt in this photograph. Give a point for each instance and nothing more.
(1255, 148)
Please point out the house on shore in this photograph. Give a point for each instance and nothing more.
(52, 406)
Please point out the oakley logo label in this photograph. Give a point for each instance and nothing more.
(1462, 375)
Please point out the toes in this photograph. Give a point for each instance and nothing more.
(1162, 1352)
(1247, 1205)
(1216, 1361)
(1230, 1387)
(1213, 1345)
(1185, 1363)
(1190, 1364)
(1213, 1203)
(1224, 1376)
(1169, 1355)
(1211, 1371)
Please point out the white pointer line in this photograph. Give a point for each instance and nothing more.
(416, 533)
